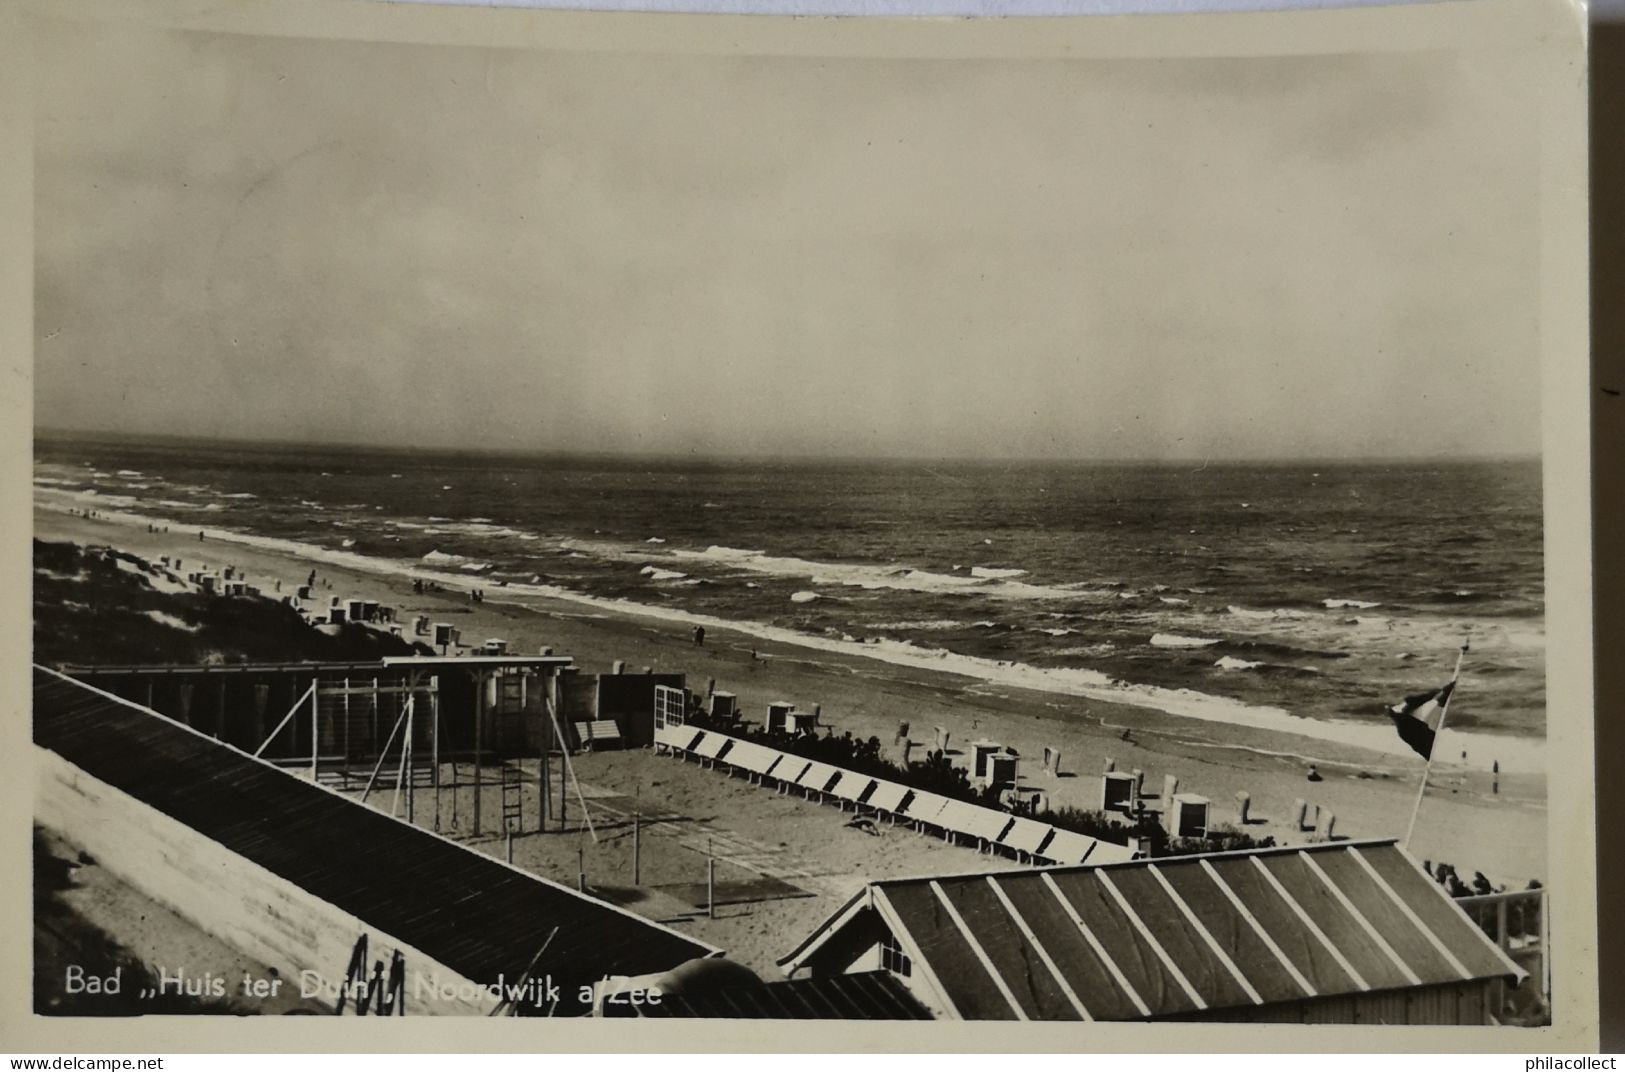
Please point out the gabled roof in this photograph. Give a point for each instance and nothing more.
(862, 996)
(1180, 935)
(472, 913)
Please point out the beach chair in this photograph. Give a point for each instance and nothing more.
(887, 799)
(1024, 837)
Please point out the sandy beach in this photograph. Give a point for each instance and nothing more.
(1462, 821)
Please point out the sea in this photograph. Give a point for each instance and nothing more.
(1304, 597)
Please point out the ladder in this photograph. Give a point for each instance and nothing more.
(513, 797)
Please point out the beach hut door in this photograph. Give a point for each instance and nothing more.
(669, 706)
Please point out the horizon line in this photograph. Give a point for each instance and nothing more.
(47, 434)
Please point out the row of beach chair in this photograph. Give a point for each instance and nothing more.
(991, 830)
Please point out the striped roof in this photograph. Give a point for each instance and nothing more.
(1178, 936)
(470, 912)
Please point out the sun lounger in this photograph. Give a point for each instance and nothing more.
(983, 823)
(752, 757)
(851, 786)
(679, 737)
(1026, 835)
(817, 777)
(888, 796)
(712, 745)
(922, 807)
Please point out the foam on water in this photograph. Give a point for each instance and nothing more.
(1513, 753)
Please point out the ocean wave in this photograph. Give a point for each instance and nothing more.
(1373, 735)
(1278, 614)
(1059, 631)
(1174, 640)
(1230, 662)
(920, 624)
(868, 576)
(1348, 604)
(993, 574)
(462, 562)
(130, 472)
(656, 574)
(803, 597)
(239, 495)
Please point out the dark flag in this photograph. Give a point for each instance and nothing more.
(1417, 718)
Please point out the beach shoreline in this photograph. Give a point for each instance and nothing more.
(1462, 820)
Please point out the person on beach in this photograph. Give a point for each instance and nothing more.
(1314, 775)
(199, 535)
(699, 636)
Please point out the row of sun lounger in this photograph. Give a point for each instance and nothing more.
(990, 827)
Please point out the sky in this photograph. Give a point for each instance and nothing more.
(331, 241)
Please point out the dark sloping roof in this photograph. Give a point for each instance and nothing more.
(1170, 937)
(474, 914)
(864, 996)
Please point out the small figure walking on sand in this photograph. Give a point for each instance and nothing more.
(1314, 775)
(199, 535)
(699, 636)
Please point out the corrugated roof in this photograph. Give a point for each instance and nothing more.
(862, 996)
(1175, 936)
(471, 913)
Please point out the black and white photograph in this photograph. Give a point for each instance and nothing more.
(804, 527)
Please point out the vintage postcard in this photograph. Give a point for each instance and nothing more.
(1067, 533)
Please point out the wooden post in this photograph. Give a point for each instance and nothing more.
(401, 771)
(149, 692)
(345, 736)
(434, 747)
(510, 844)
(315, 730)
(637, 830)
(711, 887)
(411, 760)
(581, 869)
(479, 740)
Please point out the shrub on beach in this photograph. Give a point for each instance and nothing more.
(96, 605)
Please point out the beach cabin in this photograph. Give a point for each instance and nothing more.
(1349, 933)
(980, 752)
(1117, 791)
(444, 635)
(496, 646)
(1000, 770)
(801, 723)
(725, 706)
(1188, 816)
(778, 714)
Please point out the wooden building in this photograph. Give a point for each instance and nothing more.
(305, 879)
(1351, 932)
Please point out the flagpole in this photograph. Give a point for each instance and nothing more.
(1444, 712)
